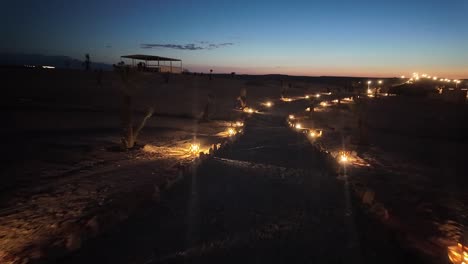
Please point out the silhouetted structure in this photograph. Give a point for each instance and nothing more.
(160, 63)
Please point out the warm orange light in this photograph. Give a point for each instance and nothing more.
(291, 117)
(231, 132)
(239, 124)
(298, 126)
(343, 157)
(194, 148)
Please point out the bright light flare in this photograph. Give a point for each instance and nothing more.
(298, 126)
(315, 134)
(231, 132)
(343, 157)
(307, 97)
(194, 148)
(380, 81)
(317, 95)
(239, 124)
(249, 110)
(324, 104)
(458, 254)
(291, 117)
(269, 104)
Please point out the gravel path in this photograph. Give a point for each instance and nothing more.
(267, 198)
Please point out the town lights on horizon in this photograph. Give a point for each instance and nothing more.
(307, 97)
(380, 81)
(269, 104)
(317, 95)
(402, 76)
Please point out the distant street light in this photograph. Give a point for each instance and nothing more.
(368, 86)
(380, 81)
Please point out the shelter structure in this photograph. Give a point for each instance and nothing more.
(154, 63)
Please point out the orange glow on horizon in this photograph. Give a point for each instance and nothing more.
(373, 72)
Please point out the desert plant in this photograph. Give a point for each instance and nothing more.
(243, 98)
(130, 133)
(207, 111)
(87, 62)
(360, 111)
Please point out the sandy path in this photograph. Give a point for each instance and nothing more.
(267, 198)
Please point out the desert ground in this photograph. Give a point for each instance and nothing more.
(69, 194)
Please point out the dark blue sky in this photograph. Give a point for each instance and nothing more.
(293, 37)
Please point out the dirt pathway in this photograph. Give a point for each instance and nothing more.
(267, 198)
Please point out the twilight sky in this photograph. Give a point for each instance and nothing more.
(366, 38)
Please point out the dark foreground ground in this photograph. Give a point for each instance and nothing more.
(267, 198)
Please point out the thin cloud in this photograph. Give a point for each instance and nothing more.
(191, 46)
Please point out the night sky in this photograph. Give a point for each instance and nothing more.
(367, 38)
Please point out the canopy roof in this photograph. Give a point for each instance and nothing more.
(148, 58)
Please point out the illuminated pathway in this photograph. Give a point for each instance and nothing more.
(267, 199)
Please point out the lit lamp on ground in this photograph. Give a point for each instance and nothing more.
(343, 157)
(315, 134)
(231, 132)
(249, 110)
(458, 254)
(194, 148)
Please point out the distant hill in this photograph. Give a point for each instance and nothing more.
(59, 61)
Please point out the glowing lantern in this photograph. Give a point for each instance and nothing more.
(316, 134)
(194, 148)
(239, 124)
(249, 110)
(343, 157)
(458, 254)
